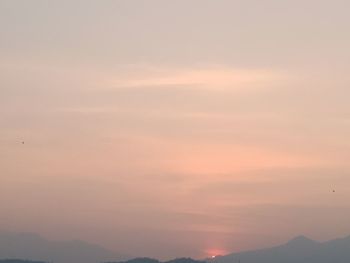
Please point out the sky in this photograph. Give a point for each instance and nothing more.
(175, 128)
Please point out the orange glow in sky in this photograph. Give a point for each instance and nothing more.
(156, 136)
(213, 252)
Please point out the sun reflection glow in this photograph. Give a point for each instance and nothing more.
(214, 253)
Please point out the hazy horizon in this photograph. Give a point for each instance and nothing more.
(175, 128)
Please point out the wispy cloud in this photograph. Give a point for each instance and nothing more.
(209, 77)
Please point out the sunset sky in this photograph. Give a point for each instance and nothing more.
(175, 128)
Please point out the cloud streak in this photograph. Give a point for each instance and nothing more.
(216, 78)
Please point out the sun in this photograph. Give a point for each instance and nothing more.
(215, 253)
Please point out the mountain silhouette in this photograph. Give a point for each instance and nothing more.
(19, 261)
(34, 247)
(139, 260)
(298, 250)
(151, 260)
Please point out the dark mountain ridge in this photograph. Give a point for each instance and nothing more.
(151, 260)
(298, 250)
(19, 261)
(34, 247)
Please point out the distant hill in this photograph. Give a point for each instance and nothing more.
(151, 260)
(34, 247)
(298, 250)
(184, 260)
(138, 260)
(19, 261)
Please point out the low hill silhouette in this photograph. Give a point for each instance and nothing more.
(34, 247)
(19, 261)
(151, 260)
(298, 250)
